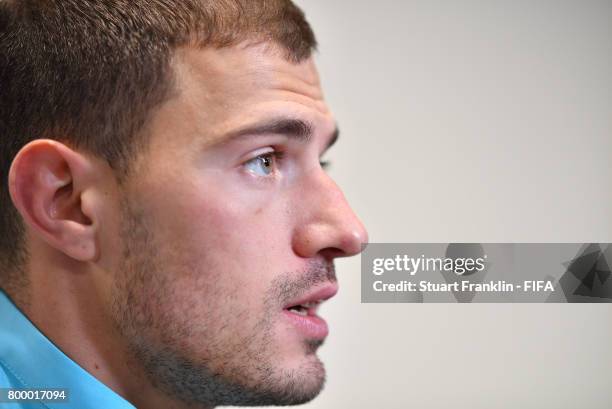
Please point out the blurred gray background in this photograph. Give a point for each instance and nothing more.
(469, 121)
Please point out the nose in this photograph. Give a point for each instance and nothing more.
(327, 224)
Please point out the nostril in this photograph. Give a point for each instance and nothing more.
(331, 253)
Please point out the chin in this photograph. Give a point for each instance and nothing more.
(299, 374)
(302, 384)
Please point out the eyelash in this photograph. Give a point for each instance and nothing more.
(278, 156)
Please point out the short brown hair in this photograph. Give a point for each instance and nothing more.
(90, 73)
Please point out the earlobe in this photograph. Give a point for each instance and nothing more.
(47, 180)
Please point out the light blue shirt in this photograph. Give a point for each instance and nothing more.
(29, 360)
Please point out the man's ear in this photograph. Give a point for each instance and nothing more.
(48, 183)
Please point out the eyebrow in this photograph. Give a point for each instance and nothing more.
(297, 129)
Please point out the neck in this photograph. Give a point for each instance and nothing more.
(71, 308)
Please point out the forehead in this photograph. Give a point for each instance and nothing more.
(260, 65)
(223, 88)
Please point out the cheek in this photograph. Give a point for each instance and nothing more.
(218, 252)
(226, 235)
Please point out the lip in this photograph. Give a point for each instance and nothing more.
(321, 293)
(311, 326)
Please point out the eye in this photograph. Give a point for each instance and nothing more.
(325, 164)
(264, 164)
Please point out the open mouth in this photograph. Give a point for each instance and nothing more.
(305, 309)
(302, 312)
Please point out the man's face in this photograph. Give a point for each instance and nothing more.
(229, 223)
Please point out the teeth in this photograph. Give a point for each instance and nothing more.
(303, 312)
(303, 309)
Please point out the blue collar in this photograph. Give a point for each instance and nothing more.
(36, 362)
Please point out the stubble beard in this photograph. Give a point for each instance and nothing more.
(236, 370)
